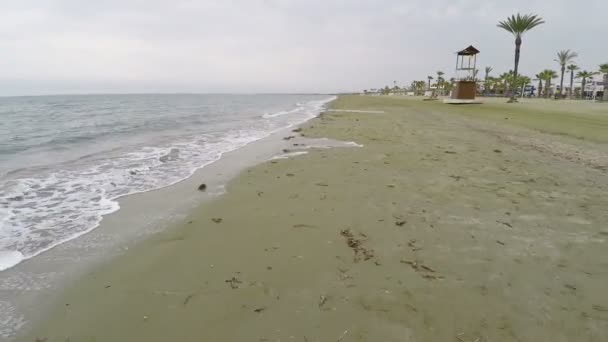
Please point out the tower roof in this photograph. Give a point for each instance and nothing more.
(470, 51)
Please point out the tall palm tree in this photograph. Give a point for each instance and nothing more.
(488, 70)
(539, 77)
(430, 78)
(584, 75)
(547, 75)
(518, 25)
(564, 57)
(395, 87)
(604, 70)
(439, 81)
(486, 84)
(572, 68)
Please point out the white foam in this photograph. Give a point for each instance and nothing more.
(9, 259)
(41, 212)
(309, 109)
(281, 113)
(10, 320)
(289, 155)
(356, 111)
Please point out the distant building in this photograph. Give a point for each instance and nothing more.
(593, 89)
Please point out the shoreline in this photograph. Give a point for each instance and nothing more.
(25, 287)
(9, 259)
(436, 229)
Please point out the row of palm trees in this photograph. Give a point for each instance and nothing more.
(520, 24)
(511, 81)
(506, 82)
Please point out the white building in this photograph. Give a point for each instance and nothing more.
(594, 87)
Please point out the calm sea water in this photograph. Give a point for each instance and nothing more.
(64, 160)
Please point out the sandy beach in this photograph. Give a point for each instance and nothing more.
(467, 223)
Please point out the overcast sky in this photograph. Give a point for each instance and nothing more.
(76, 46)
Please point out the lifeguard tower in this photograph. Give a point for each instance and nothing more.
(466, 86)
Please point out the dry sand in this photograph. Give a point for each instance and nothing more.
(442, 227)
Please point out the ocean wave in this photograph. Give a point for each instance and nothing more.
(283, 112)
(39, 213)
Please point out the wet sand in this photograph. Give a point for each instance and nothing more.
(442, 227)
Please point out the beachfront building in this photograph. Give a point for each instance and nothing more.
(594, 88)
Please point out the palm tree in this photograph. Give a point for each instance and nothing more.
(449, 86)
(604, 70)
(439, 80)
(488, 70)
(564, 57)
(572, 68)
(430, 78)
(396, 88)
(420, 87)
(584, 75)
(547, 75)
(491, 84)
(539, 77)
(518, 25)
(506, 78)
(521, 83)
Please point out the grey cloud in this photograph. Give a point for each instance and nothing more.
(271, 45)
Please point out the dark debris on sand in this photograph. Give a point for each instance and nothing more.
(234, 282)
(356, 244)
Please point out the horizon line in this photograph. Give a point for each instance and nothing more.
(177, 93)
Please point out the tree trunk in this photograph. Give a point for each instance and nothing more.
(437, 93)
(561, 82)
(605, 97)
(540, 87)
(485, 84)
(583, 89)
(571, 84)
(547, 88)
(517, 52)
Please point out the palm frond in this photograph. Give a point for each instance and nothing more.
(573, 67)
(547, 74)
(565, 56)
(519, 24)
(585, 74)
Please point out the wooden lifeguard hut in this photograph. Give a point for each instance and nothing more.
(466, 85)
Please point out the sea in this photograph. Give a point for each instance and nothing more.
(65, 160)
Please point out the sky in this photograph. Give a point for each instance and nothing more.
(284, 46)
